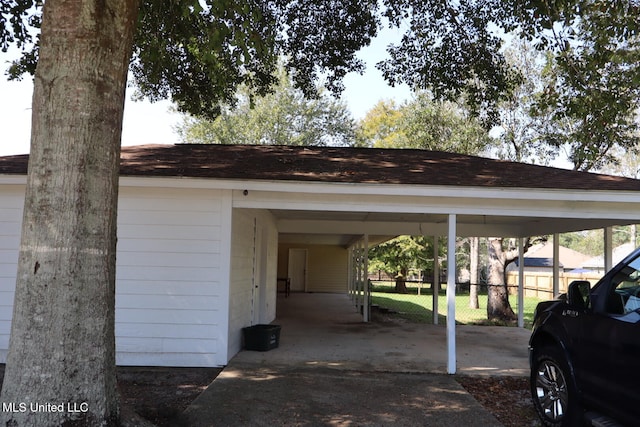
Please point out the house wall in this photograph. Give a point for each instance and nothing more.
(254, 251)
(171, 291)
(10, 224)
(327, 266)
(171, 278)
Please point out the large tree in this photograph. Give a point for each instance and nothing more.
(592, 78)
(62, 346)
(498, 306)
(424, 123)
(397, 256)
(283, 117)
(197, 52)
(520, 131)
(381, 126)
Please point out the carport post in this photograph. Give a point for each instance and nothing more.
(350, 275)
(521, 284)
(451, 296)
(367, 292)
(556, 264)
(608, 248)
(436, 278)
(360, 294)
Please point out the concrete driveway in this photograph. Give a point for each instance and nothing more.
(331, 369)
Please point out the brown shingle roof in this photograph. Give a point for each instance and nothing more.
(348, 165)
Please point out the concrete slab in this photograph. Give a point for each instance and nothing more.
(246, 396)
(331, 369)
(326, 330)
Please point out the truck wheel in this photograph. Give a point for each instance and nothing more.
(553, 389)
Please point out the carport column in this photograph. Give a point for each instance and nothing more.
(556, 264)
(436, 278)
(350, 273)
(365, 280)
(521, 283)
(358, 271)
(361, 294)
(451, 296)
(608, 248)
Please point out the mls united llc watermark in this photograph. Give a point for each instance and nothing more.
(22, 407)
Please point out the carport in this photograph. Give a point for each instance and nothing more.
(200, 228)
(323, 330)
(354, 198)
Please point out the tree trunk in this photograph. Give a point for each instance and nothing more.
(401, 281)
(62, 347)
(474, 254)
(498, 306)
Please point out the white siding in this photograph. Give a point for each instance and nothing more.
(327, 266)
(182, 297)
(251, 226)
(12, 197)
(170, 296)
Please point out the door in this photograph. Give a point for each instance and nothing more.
(298, 269)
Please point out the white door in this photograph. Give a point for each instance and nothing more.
(298, 269)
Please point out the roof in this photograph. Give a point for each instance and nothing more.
(537, 262)
(346, 165)
(618, 254)
(568, 257)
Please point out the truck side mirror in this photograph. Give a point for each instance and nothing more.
(578, 293)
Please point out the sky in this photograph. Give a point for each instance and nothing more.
(154, 123)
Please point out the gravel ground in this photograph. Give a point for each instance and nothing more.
(507, 398)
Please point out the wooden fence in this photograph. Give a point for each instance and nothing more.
(540, 284)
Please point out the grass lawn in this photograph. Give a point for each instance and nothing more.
(418, 308)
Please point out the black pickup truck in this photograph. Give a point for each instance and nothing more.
(584, 352)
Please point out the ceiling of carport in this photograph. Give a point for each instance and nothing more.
(345, 228)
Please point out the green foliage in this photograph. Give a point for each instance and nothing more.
(382, 127)
(401, 254)
(520, 133)
(627, 162)
(592, 79)
(591, 242)
(423, 123)
(283, 117)
(324, 35)
(199, 57)
(17, 17)
(449, 47)
(443, 126)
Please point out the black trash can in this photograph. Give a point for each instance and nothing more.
(261, 337)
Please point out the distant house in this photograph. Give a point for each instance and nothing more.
(596, 264)
(539, 258)
(207, 233)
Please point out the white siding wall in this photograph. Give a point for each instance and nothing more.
(12, 197)
(171, 283)
(251, 226)
(327, 266)
(174, 304)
